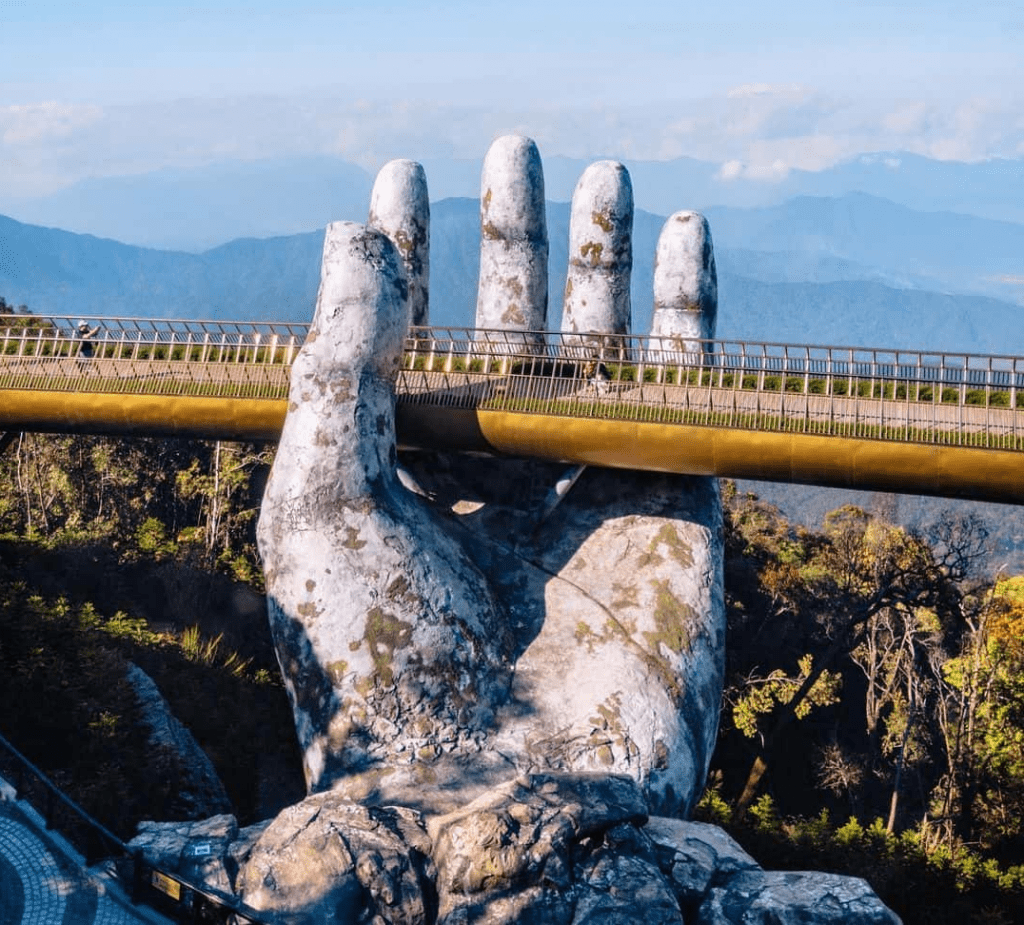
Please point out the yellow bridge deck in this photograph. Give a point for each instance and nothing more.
(916, 423)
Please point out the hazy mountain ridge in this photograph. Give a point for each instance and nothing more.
(193, 209)
(842, 302)
(943, 250)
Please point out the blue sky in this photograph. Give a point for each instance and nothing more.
(96, 88)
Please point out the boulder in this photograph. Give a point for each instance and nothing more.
(543, 849)
(785, 898)
(199, 792)
(200, 851)
(696, 857)
(328, 859)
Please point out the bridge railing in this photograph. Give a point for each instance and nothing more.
(151, 338)
(156, 356)
(845, 391)
(943, 397)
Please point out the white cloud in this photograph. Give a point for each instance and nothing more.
(908, 119)
(746, 91)
(756, 131)
(730, 170)
(32, 123)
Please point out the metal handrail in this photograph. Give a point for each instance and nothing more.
(99, 836)
(959, 399)
(874, 393)
(54, 798)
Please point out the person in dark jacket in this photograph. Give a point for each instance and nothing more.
(87, 347)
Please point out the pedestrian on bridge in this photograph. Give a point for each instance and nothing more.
(86, 349)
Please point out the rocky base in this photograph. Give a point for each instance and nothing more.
(543, 849)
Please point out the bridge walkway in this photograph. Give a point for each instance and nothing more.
(934, 423)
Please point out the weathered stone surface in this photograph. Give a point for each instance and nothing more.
(394, 651)
(200, 851)
(685, 284)
(397, 657)
(560, 849)
(546, 848)
(199, 791)
(618, 607)
(328, 859)
(513, 287)
(400, 207)
(696, 856)
(781, 898)
(600, 253)
(621, 883)
(506, 838)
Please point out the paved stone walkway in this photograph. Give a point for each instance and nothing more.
(42, 882)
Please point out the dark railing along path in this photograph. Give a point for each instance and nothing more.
(171, 893)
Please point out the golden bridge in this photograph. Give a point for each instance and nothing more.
(893, 420)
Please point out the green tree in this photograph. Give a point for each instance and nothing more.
(836, 583)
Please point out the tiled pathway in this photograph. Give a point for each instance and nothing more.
(42, 883)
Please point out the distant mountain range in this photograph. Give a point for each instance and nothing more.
(201, 207)
(854, 270)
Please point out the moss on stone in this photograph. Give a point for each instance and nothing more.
(625, 596)
(399, 591)
(678, 549)
(336, 670)
(364, 685)
(352, 540)
(603, 221)
(672, 617)
(512, 315)
(584, 635)
(592, 251)
(385, 634)
(614, 628)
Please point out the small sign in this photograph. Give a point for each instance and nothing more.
(166, 885)
(202, 850)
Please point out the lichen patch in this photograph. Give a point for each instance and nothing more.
(385, 634)
(672, 619)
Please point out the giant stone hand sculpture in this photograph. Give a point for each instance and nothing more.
(434, 649)
(506, 680)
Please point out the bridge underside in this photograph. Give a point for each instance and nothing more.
(841, 462)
